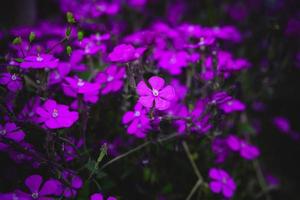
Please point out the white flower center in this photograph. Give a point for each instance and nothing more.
(39, 59)
(14, 77)
(224, 180)
(3, 132)
(173, 60)
(80, 83)
(155, 92)
(139, 125)
(35, 195)
(55, 113)
(110, 78)
(229, 103)
(137, 113)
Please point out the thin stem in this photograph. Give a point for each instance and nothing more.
(126, 154)
(194, 189)
(189, 155)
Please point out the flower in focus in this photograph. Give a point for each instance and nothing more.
(43, 61)
(55, 115)
(160, 95)
(40, 191)
(12, 81)
(111, 79)
(125, 53)
(246, 150)
(221, 182)
(138, 121)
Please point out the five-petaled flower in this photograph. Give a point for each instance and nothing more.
(56, 115)
(111, 79)
(221, 182)
(158, 94)
(11, 131)
(125, 53)
(38, 190)
(43, 61)
(12, 81)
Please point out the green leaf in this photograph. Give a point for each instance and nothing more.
(70, 18)
(69, 50)
(31, 36)
(19, 60)
(80, 35)
(68, 32)
(103, 153)
(17, 40)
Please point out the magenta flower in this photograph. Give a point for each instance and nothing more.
(99, 196)
(227, 103)
(282, 124)
(11, 131)
(221, 182)
(75, 184)
(12, 81)
(111, 79)
(173, 61)
(246, 150)
(40, 62)
(138, 121)
(158, 94)
(55, 115)
(40, 191)
(75, 86)
(125, 53)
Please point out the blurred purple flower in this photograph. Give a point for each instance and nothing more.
(12, 81)
(99, 196)
(40, 191)
(125, 53)
(111, 79)
(43, 61)
(221, 182)
(282, 124)
(246, 150)
(75, 184)
(11, 131)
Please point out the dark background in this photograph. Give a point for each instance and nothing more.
(280, 153)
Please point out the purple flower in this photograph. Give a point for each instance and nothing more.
(201, 121)
(40, 191)
(11, 131)
(172, 61)
(69, 150)
(220, 148)
(138, 121)
(282, 124)
(160, 95)
(232, 106)
(55, 115)
(221, 182)
(12, 81)
(39, 62)
(75, 184)
(111, 79)
(75, 86)
(125, 53)
(246, 150)
(99, 196)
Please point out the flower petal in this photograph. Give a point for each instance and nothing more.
(142, 89)
(51, 187)
(167, 93)
(215, 186)
(33, 183)
(156, 82)
(161, 104)
(147, 101)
